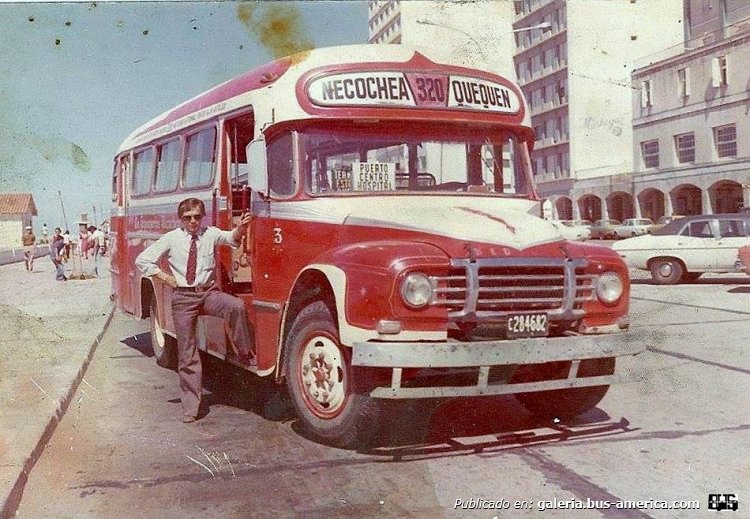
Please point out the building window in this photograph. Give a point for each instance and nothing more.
(646, 94)
(683, 80)
(719, 72)
(650, 153)
(561, 91)
(685, 145)
(725, 140)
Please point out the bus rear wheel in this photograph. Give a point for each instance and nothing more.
(164, 346)
(320, 381)
(563, 403)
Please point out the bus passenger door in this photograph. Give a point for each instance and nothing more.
(239, 133)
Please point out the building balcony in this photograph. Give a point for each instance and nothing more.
(550, 142)
(548, 108)
(545, 73)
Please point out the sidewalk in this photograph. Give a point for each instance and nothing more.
(49, 331)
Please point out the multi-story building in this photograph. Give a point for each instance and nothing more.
(691, 127)
(574, 69)
(477, 33)
(385, 21)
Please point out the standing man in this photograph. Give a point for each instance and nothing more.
(67, 244)
(97, 244)
(29, 245)
(56, 255)
(190, 253)
(45, 234)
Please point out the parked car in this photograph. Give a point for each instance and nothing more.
(664, 220)
(687, 247)
(633, 227)
(604, 229)
(573, 229)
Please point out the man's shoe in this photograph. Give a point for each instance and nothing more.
(188, 419)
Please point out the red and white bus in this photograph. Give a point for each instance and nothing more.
(396, 249)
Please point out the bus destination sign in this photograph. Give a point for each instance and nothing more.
(412, 90)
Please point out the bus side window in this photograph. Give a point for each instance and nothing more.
(143, 169)
(200, 158)
(281, 178)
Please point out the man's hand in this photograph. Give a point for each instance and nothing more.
(166, 278)
(241, 228)
(244, 222)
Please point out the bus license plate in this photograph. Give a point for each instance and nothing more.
(528, 325)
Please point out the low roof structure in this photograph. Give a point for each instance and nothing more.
(17, 203)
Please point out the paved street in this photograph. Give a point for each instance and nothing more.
(676, 431)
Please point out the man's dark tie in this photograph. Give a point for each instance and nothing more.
(192, 261)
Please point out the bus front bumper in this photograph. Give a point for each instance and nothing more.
(486, 355)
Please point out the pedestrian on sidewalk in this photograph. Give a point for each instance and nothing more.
(45, 235)
(56, 254)
(83, 241)
(190, 253)
(67, 245)
(97, 245)
(29, 247)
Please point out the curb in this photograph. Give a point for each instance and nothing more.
(10, 503)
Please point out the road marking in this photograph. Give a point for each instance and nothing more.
(690, 306)
(696, 359)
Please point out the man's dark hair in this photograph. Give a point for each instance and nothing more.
(190, 203)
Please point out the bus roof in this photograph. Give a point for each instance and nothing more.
(348, 82)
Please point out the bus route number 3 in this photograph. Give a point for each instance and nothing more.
(277, 238)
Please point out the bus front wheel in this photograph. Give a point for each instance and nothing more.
(320, 381)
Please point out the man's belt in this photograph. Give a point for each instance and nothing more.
(197, 288)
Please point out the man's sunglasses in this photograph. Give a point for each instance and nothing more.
(189, 217)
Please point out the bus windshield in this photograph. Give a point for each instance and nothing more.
(476, 161)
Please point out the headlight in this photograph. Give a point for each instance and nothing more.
(416, 290)
(608, 288)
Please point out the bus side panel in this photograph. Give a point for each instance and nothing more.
(118, 261)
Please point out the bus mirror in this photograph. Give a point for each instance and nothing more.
(257, 170)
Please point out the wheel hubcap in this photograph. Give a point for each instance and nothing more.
(322, 372)
(665, 269)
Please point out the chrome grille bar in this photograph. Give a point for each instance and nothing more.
(470, 296)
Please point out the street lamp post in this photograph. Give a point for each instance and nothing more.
(542, 26)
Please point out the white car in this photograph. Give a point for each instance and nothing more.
(687, 247)
(573, 229)
(633, 227)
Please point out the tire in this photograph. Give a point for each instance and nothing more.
(327, 405)
(691, 277)
(666, 271)
(563, 403)
(164, 346)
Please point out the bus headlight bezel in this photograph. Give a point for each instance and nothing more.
(609, 288)
(416, 290)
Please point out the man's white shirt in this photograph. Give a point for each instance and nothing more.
(176, 245)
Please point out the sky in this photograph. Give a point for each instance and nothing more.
(77, 78)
